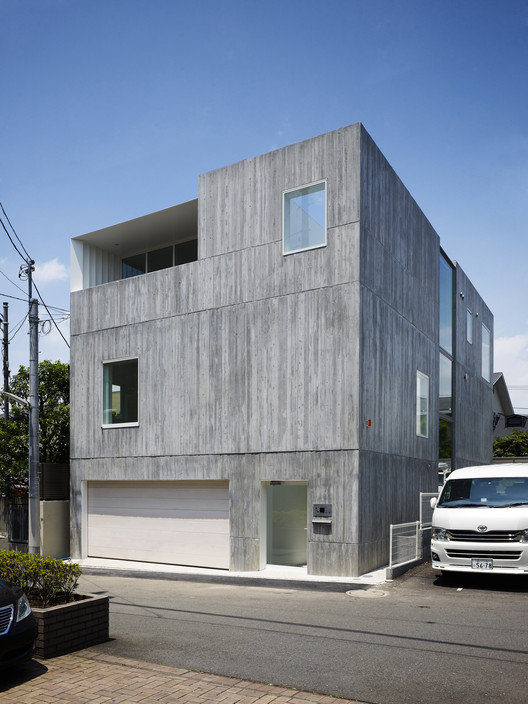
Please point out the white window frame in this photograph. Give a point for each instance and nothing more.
(133, 424)
(422, 380)
(300, 188)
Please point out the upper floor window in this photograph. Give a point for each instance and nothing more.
(120, 392)
(422, 404)
(304, 218)
(469, 326)
(486, 353)
(157, 259)
(446, 305)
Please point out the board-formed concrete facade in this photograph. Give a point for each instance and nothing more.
(260, 370)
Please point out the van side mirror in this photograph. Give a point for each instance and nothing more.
(433, 501)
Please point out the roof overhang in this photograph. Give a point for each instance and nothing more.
(178, 223)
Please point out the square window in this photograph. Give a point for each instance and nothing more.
(120, 392)
(304, 218)
(422, 405)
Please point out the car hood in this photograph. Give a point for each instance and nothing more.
(512, 518)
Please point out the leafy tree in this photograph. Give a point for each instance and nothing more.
(54, 425)
(513, 445)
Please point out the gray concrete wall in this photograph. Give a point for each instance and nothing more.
(398, 336)
(332, 478)
(240, 205)
(473, 408)
(258, 367)
(248, 364)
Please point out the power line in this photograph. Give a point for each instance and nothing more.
(60, 310)
(12, 282)
(11, 240)
(14, 232)
(52, 318)
(15, 298)
(19, 327)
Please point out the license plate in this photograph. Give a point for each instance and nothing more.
(478, 563)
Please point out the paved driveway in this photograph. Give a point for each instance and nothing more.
(89, 676)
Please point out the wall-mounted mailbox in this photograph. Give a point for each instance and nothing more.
(322, 513)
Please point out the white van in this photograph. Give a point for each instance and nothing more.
(480, 520)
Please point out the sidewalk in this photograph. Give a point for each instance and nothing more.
(89, 676)
(274, 575)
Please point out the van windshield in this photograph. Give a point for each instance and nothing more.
(494, 492)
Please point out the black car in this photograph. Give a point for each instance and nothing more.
(18, 627)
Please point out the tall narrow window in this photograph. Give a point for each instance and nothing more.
(469, 326)
(445, 385)
(446, 305)
(304, 218)
(422, 404)
(120, 392)
(486, 353)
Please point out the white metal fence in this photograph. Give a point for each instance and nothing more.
(406, 539)
(426, 512)
(404, 543)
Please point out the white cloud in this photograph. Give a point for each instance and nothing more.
(52, 270)
(511, 358)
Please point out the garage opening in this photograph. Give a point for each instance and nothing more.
(177, 523)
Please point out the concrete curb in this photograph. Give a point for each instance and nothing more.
(307, 585)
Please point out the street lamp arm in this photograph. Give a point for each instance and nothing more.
(17, 399)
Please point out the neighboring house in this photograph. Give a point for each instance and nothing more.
(259, 375)
(504, 417)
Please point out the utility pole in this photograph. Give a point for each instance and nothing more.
(34, 479)
(5, 348)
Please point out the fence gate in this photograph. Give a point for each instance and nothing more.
(406, 539)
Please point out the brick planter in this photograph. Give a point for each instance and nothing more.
(68, 627)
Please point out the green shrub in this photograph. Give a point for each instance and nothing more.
(45, 580)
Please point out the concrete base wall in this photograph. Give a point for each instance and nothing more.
(366, 492)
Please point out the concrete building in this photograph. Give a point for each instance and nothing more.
(259, 375)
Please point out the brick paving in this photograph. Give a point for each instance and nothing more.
(89, 676)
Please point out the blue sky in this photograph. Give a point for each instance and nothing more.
(111, 108)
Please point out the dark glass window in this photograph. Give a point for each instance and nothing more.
(133, 266)
(159, 259)
(120, 392)
(186, 252)
(515, 421)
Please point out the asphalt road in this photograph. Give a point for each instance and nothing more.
(415, 640)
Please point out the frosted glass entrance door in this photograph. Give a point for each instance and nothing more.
(287, 536)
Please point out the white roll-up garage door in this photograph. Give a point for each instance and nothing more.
(178, 523)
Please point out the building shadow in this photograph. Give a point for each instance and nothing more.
(20, 674)
(483, 582)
